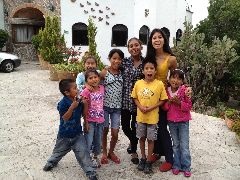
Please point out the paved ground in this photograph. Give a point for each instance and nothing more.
(28, 128)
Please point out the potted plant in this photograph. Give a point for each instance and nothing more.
(71, 65)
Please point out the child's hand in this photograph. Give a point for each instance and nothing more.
(188, 92)
(85, 127)
(75, 103)
(175, 100)
(143, 109)
(90, 88)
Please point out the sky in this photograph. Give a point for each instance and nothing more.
(199, 8)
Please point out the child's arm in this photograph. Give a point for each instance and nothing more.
(70, 110)
(141, 108)
(103, 73)
(85, 112)
(160, 103)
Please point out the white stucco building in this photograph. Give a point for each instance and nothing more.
(119, 20)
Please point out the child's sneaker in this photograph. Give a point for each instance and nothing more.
(148, 168)
(93, 177)
(175, 171)
(95, 162)
(141, 164)
(48, 167)
(165, 167)
(187, 173)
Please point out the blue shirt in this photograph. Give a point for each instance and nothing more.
(71, 127)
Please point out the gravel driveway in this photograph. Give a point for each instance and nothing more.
(29, 123)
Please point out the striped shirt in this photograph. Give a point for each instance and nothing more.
(113, 90)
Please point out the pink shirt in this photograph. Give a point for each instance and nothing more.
(95, 104)
(178, 113)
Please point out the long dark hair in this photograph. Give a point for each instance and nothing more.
(151, 52)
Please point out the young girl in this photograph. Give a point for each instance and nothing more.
(131, 72)
(113, 83)
(94, 114)
(178, 114)
(89, 63)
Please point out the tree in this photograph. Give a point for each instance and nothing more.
(52, 43)
(92, 32)
(3, 38)
(207, 67)
(223, 20)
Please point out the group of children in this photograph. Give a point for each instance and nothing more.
(98, 97)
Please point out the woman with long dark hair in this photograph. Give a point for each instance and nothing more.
(158, 49)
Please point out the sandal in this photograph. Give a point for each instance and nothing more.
(114, 158)
(104, 160)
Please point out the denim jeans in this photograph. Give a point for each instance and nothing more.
(79, 146)
(114, 115)
(180, 135)
(94, 137)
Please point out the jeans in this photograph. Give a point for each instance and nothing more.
(79, 147)
(94, 137)
(128, 122)
(180, 135)
(114, 114)
(163, 144)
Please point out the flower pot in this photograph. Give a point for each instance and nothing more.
(72, 75)
(53, 75)
(43, 64)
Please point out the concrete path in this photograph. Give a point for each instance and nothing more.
(28, 129)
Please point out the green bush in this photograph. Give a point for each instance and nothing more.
(92, 31)
(207, 68)
(3, 38)
(52, 43)
(36, 40)
(236, 127)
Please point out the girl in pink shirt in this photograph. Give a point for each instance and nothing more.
(178, 114)
(94, 114)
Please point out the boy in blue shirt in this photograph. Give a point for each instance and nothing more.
(70, 134)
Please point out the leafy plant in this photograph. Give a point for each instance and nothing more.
(92, 31)
(3, 38)
(36, 40)
(52, 43)
(233, 114)
(207, 67)
(75, 67)
(236, 127)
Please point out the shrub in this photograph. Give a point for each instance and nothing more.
(36, 40)
(3, 38)
(52, 43)
(207, 68)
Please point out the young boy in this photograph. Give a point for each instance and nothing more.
(148, 94)
(70, 136)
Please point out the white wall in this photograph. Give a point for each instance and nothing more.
(131, 13)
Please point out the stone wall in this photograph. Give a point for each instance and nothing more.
(48, 7)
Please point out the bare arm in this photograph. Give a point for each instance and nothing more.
(172, 63)
(160, 103)
(70, 110)
(141, 108)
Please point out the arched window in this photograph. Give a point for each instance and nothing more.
(119, 35)
(144, 34)
(79, 34)
(178, 35)
(167, 32)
